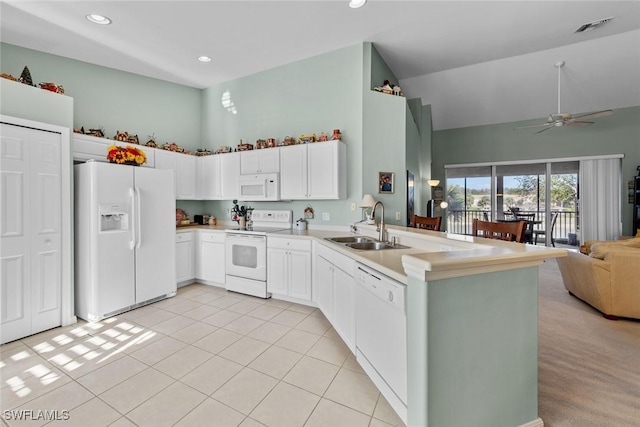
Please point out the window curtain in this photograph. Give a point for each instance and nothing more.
(600, 199)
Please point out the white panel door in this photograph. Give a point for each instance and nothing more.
(155, 242)
(15, 227)
(30, 231)
(293, 172)
(324, 287)
(46, 234)
(212, 262)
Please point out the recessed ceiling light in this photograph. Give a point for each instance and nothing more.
(354, 4)
(99, 19)
(204, 58)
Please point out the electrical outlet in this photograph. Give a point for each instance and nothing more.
(353, 207)
(326, 216)
(398, 216)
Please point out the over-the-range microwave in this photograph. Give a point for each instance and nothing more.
(259, 187)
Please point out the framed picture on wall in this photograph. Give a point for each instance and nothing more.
(385, 182)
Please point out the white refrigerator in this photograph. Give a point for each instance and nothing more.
(124, 238)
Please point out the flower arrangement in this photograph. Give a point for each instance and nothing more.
(126, 155)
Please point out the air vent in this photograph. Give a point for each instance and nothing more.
(592, 25)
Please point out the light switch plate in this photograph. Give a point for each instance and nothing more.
(398, 216)
(353, 207)
(326, 216)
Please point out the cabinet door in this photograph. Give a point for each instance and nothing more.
(293, 172)
(167, 160)
(208, 177)
(344, 306)
(249, 162)
(185, 176)
(269, 160)
(324, 287)
(229, 176)
(277, 271)
(300, 275)
(211, 262)
(323, 172)
(184, 257)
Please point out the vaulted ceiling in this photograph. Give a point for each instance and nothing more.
(162, 39)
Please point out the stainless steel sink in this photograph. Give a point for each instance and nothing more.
(369, 246)
(363, 243)
(350, 239)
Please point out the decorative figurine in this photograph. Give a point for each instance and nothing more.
(25, 77)
(323, 137)
(337, 136)
(121, 136)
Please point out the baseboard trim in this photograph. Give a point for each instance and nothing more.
(535, 423)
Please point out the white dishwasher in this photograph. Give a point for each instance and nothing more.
(381, 334)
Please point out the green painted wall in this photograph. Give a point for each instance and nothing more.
(412, 160)
(425, 153)
(384, 137)
(112, 99)
(315, 95)
(617, 134)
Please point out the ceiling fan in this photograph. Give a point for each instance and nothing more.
(567, 119)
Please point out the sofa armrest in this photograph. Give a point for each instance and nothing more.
(588, 279)
(625, 281)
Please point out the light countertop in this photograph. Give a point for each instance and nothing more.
(434, 255)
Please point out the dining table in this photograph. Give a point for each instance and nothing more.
(529, 224)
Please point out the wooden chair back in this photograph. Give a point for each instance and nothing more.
(510, 231)
(427, 223)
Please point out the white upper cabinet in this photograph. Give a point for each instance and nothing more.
(229, 176)
(208, 178)
(186, 176)
(184, 166)
(313, 171)
(293, 172)
(260, 161)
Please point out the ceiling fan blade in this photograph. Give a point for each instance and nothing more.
(535, 126)
(578, 123)
(547, 128)
(594, 115)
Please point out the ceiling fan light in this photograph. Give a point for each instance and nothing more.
(355, 4)
(98, 19)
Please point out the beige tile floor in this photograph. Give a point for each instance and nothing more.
(206, 357)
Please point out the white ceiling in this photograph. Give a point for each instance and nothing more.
(162, 39)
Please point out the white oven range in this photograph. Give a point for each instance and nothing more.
(246, 252)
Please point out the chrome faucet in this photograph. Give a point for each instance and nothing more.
(380, 228)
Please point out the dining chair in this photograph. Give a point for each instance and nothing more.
(529, 219)
(427, 222)
(536, 233)
(510, 231)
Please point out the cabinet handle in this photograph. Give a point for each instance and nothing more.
(390, 296)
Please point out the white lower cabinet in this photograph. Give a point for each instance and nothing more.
(289, 267)
(334, 291)
(184, 257)
(210, 257)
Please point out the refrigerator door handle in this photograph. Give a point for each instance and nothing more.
(137, 218)
(132, 242)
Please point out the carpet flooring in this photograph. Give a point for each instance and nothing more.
(588, 366)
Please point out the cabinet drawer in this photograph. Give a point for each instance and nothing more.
(293, 244)
(184, 236)
(208, 236)
(324, 251)
(344, 263)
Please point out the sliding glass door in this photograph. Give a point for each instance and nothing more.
(546, 193)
